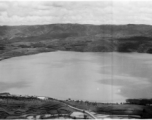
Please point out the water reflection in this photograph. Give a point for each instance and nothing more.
(103, 77)
(132, 73)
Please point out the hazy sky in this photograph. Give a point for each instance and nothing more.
(87, 12)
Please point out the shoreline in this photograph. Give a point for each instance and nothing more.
(4, 55)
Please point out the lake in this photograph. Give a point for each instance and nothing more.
(100, 77)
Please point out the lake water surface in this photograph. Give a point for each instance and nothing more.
(101, 77)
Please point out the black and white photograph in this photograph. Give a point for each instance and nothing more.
(75, 59)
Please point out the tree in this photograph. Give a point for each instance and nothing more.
(2, 47)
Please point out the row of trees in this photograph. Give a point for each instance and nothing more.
(18, 97)
(139, 101)
(2, 46)
(91, 103)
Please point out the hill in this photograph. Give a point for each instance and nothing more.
(23, 40)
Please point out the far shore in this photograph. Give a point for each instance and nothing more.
(27, 52)
(5, 56)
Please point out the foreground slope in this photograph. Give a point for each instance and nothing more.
(34, 107)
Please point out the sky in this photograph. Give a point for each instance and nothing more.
(83, 12)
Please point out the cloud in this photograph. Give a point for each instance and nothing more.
(4, 86)
(3, 6)
(99, 12)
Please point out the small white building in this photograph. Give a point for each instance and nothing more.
(42, 98)
(5, 94)
(79, 115)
